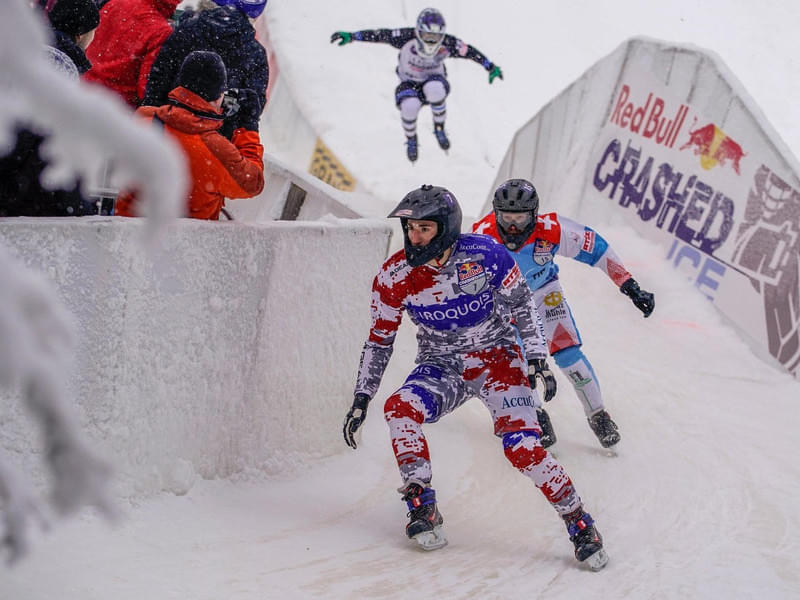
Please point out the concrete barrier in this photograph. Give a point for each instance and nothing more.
(666, 136)
(234, 347)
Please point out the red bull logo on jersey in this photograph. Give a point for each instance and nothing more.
(542, 252)
(714, 147)
(651, 119)
(471, 277)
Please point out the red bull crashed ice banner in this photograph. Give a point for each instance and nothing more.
(725, 218)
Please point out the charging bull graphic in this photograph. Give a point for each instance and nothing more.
(714, 147)
(767, 249)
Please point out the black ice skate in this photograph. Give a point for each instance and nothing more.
(411, 148)
(587, 540)
(604, 428)
(425, 520)
(548, 435)
(441, 136)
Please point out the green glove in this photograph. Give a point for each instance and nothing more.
(495, 72)
(343, 37)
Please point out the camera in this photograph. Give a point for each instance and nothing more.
(230, 102)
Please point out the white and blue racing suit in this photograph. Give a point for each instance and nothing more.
(557, 235)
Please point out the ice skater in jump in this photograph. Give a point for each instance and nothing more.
(423, 77)
(469, 301)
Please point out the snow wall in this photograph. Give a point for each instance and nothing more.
(231, 350)
(679, 150)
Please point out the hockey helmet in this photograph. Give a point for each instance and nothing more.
(429, 203)
(516, 206)
(429, 31)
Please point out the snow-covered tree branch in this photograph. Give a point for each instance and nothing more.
(84, 127)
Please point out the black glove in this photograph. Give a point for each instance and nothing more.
(643, 300)
(537, 368)
(343, 37)
(355, 418)
(248, 112)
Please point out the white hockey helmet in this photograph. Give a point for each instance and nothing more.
(430, 31)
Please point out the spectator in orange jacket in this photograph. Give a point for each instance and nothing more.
(126, 43)
(218, 168)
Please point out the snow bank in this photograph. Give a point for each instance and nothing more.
(232, 349)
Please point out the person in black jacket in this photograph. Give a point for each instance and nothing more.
(226, 30)
(21, 192)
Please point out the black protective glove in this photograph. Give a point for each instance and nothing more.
(248, 112)
(643, 300)
(355, 418)
(343, 37)
(538, 368)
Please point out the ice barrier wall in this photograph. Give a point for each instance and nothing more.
(678, 149)
(231, 349)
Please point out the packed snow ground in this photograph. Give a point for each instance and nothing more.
(698, 502)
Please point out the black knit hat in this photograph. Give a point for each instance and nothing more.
(204, 74)
(74, 17)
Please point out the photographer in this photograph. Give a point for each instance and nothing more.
(193, 115)
(221, 26)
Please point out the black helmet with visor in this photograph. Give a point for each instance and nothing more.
(429, 203)
(516, 206)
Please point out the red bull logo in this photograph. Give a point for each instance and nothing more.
(714, 147)
(471, 277)
(469, 270)
(542, 252)
(650, 120)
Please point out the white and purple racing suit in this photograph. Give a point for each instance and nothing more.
(423, 78)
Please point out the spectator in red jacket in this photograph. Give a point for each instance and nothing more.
(126, 43)
(218, 168)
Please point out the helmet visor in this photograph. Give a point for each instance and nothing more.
(431, 37)
(516, 220)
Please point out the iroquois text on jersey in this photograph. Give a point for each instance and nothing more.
(456, 311)
(686, 206)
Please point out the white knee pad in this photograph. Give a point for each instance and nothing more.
(409, 108)
(434, 91)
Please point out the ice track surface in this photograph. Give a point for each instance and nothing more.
(699, 501)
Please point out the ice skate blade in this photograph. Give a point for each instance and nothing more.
(612, 450)
(431, 540)
(597, 561)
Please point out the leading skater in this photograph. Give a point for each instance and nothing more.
(423, 77)
(462, 291)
